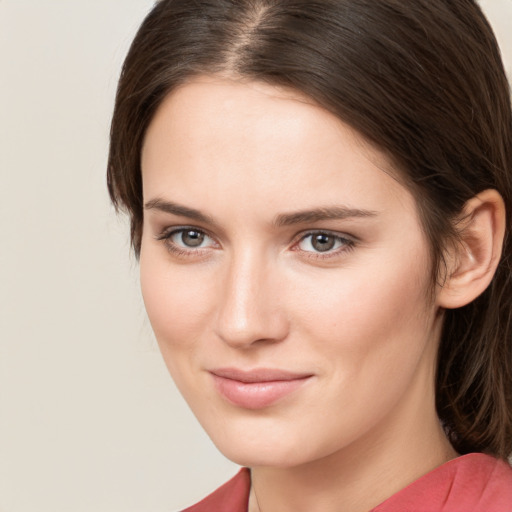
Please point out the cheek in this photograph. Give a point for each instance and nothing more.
(367, 335)
(375, 316)
(177, 303)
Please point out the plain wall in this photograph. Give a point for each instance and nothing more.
(89, 419)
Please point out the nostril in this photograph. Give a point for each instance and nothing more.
(241, 324)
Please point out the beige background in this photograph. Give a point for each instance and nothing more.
(89, 419)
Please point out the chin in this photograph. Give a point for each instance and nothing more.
(265, 442)
(261, 455)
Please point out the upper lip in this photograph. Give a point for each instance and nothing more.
(258, 374)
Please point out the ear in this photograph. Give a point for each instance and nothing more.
(472, 262)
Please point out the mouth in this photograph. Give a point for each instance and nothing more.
(256, 389)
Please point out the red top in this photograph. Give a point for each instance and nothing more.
(471, 483)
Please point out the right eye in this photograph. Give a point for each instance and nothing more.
(186, 240)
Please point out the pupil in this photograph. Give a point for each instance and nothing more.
(192, 238)
(323, 243)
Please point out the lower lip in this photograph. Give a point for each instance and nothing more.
(256, 395)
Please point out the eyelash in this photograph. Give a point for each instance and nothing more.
(347, 244)
(166, 237)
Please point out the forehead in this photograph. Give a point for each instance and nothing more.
(257, 140)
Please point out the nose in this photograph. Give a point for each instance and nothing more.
(250, 309)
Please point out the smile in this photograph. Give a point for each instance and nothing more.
(256, 389)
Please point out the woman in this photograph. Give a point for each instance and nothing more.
(320, 196)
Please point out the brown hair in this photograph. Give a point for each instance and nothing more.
(422, 79)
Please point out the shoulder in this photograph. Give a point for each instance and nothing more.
(233, 496)
(475, 482)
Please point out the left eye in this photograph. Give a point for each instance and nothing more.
(321, 242)
(190, 238)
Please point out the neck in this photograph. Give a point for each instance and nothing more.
(352, 480)
(357, 478)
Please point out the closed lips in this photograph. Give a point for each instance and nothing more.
(258, 375)
(256, 389)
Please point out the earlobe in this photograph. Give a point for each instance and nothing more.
(473, 259)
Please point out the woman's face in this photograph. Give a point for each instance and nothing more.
(285, 275)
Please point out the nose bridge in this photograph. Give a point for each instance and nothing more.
(248, 307)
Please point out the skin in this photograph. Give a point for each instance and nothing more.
(257, 293)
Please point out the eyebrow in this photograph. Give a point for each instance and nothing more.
(177, 209)
(319, 214)
(284, 219)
